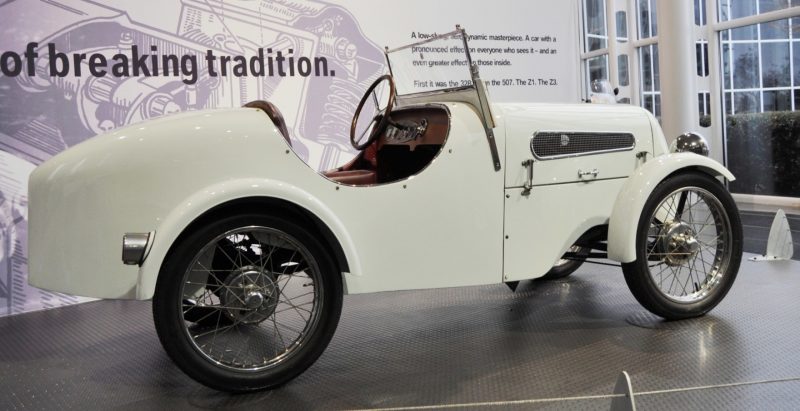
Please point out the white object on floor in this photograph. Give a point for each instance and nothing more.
(626, 402)
(779, 243)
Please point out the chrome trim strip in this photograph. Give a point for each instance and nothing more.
(567, 182)
(585, 153)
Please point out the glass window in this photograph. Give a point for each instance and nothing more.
(704, 103)
(747, 101)
(650, 83)
(778, 100)
(761, 89)
(622, 67)
(775, 65)
(646, 64)
(775, 30)
(742, 8)
(700, 12)
(728, 103)
(594, 16)
(597, 67)
(794, 28)
(622, 26)
(726, 66)
(735, 9)
(745, 65)
(701, 50)
(796, 63)
(765, 6)
(745, 33)
(647, 18)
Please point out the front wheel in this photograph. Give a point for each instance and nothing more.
(247, 302)
(688, 247)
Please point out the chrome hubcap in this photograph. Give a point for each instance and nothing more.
(251, 295)
(689, 245)
(680, 243)
(254, 300)
(251, 299)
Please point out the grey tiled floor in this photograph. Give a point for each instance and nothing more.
(453, 346)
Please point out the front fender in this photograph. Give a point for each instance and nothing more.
(631, 198)
(212, 196)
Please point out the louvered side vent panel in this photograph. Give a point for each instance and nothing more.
(553, 144)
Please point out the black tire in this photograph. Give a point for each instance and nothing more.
(563, 268)
(175, 328)
(727, 251)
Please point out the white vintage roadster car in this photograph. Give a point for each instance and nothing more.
(247, 251)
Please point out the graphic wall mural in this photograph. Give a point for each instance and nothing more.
(42, 115)
(49, 101)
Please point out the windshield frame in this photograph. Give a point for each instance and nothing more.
(475, 95)
(459, 31)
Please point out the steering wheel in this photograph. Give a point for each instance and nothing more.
(381, 119)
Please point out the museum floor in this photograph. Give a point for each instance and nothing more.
(550, 345)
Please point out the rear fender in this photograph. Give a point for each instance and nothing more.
(630, 201)
(193, 207)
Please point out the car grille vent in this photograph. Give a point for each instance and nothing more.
(554, 144)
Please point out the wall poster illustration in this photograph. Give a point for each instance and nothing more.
(56, 100)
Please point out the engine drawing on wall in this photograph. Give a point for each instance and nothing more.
(42, 115)
(246, 251)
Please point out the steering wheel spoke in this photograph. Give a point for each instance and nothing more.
(381, 120)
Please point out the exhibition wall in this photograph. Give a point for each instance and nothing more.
(175, 51)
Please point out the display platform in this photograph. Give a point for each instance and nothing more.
(545, 346)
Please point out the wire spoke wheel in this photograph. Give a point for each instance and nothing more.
(262, 307)
(688, 247)
(247, 302)
(688, 244)
(563, 267)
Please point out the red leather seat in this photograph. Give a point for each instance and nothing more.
(352, 177)
(357, 177)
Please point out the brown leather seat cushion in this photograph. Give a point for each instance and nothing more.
(353, 177)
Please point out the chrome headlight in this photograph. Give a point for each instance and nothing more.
(690, 142)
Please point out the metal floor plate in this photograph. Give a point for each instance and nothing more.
(549, 340)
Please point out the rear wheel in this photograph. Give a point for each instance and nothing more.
(564, 267)
(688, 247)
(247, 302)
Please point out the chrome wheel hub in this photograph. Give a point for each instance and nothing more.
(251, 299)
(250, 295)
(689, 244)
(679, 243)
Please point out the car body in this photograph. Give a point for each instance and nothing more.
(463, 217)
